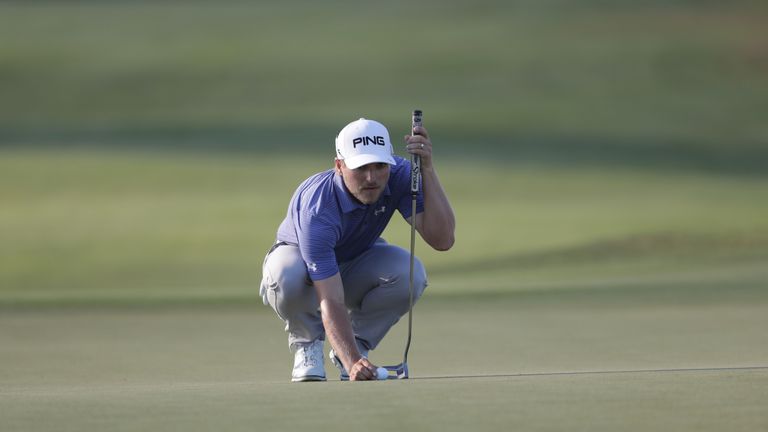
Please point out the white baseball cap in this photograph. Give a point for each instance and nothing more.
(363, 142)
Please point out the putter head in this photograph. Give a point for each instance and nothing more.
(398, 371)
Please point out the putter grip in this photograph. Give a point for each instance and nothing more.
(415, 159)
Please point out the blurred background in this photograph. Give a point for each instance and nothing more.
(148, 150)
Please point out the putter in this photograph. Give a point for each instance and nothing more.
(401, 371)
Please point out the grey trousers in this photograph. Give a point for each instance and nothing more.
(376, 292)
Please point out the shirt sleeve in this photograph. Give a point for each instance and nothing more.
(317, 236)
(404, 184)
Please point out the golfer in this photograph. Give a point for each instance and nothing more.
(329, 273)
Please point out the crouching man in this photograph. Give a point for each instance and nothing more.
(329, 274)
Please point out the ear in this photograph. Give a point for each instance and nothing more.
(337, 165)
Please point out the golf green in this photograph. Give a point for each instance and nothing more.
(606, 162)
(486, 364)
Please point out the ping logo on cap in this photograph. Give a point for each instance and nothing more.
(366, 140)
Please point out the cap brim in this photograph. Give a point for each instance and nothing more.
(365, 159)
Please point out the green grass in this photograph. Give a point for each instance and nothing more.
(485, 365)
(561, 70)
(607, 165)
(142, 226)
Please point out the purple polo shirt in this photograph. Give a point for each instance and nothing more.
(330, 226)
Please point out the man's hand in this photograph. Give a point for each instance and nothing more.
(363, 370)
(338, 328)
(420, 144)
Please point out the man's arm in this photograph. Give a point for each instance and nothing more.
(338, 329)
(436, 224)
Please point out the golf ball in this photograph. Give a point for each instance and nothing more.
(382, 373)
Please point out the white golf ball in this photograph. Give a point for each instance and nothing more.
(382, 373)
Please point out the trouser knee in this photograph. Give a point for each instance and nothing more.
(285, 284)
(419, 283)
(399, 291)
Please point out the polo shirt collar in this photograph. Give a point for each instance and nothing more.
(347, 201)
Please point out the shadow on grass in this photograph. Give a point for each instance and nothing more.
(649, 245)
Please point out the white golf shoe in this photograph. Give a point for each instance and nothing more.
(308, 362)
(343, 375)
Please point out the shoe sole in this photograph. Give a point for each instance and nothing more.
(308, 378)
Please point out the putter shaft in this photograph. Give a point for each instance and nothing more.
(401, 370)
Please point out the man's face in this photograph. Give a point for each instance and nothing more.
(365, 183)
